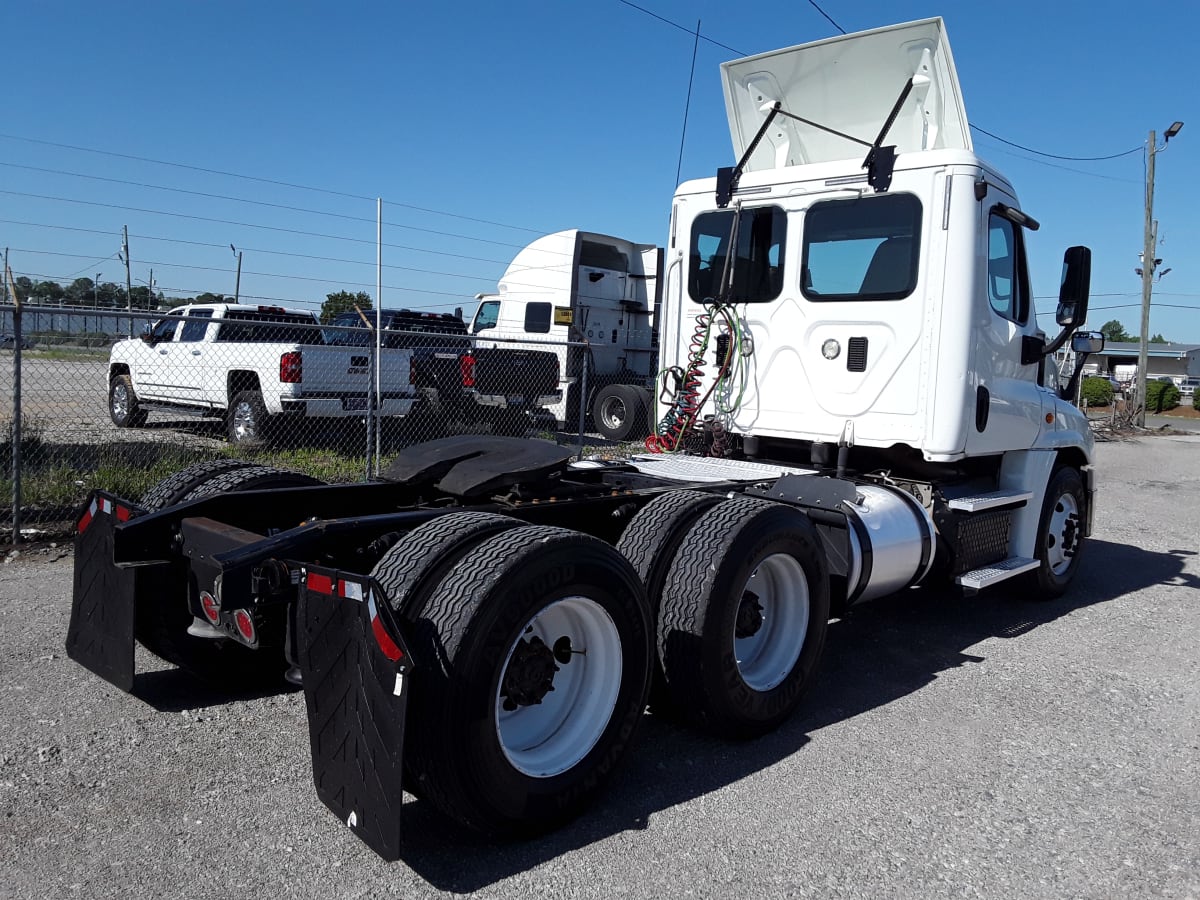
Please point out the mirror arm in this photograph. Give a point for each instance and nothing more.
(1068, 392)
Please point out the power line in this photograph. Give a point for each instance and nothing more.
(333, 237)
(689, 31)
(283, 206)
(287, 184)
(997, 137)
(222, 246)
(813, 4)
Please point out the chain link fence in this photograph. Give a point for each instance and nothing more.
(118, 400)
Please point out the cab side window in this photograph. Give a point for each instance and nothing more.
(1007, 277)
(196, 325)
(487, 316)
(164, 330)
(537, 318)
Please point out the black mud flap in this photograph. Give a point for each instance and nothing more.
(100, 635)
(355, 667)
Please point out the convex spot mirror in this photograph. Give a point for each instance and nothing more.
(1087, 342)
(147, 334)
(1075, 286)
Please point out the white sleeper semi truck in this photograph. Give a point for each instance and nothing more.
(592, 300)
(854, 408)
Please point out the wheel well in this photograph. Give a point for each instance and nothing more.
(116, 370)
(1070, 457)
(242, 381)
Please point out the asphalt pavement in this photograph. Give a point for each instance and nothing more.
(981, 747)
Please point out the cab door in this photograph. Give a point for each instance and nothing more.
(1008, 398)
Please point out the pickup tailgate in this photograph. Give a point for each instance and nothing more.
(515, 371)
(345, 375)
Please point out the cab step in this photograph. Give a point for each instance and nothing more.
(994, 573)
(990, 500)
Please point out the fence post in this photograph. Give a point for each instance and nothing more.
(16, 421)
(583, 397)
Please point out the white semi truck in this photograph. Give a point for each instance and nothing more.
(856, 410)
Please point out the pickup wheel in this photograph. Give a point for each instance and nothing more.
(743, 618)
(619, 412)
(650, 542)
(123, 407)
(246, 423)
(1060, 534)
(535, 656)
(162, 621)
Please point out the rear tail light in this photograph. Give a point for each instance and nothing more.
(466, 364)
(245, 625)
(291, 367)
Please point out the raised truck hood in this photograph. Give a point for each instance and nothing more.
(847, 83)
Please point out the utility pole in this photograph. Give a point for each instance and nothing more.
(237, 285)
(95, 302)
(128, 282)
(1148, 266)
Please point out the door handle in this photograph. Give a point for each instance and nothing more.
(163, 352)
(195, 353)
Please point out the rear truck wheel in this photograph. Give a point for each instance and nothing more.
(246, 423)
(123, 407)
(619, 412)
(744, 613)
(162, 623)
(174, 488)
(1060, 534)
(650, 542)
(423, 556)
(534, 659)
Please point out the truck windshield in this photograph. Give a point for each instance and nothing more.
(758, 263)
(257, 326)
(866, 248)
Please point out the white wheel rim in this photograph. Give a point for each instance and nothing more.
(766, 657)
(120, 401)
(1064, 517)
(613, 412)
(243, 421)
(548, 738)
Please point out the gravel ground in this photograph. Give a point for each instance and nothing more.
(987, 747)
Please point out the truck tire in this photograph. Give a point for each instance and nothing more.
(744, 613)
(123, 407)
(535, 659)
(619, 412)
(161, 627)
(246, 422)
(174, 488)
(1059, 534)
(650, 542)
(423, 557)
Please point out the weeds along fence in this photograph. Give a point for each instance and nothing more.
(93, 408)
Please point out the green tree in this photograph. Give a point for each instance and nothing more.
(343, 301)
(1158, 339)
(49, 293)
(81, 292)
(1114, 332)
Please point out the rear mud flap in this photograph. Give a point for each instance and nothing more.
(101, 631)
(355, 668)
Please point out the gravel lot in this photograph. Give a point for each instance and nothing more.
(952, 748)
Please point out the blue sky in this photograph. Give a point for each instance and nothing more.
(483, 125)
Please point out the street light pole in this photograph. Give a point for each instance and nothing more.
(237, 285)
(1148, 266)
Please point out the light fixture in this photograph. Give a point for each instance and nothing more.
(1172, 130)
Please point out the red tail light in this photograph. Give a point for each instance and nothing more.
(291, 367)
(466, 364)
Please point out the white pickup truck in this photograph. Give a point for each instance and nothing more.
(249, 365)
